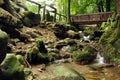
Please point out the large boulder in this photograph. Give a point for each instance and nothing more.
(8, 19)
(31, 19)
(3, 44)
(11, 68)
(60, 30)
(69, 73)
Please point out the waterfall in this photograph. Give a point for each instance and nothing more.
(99, 58)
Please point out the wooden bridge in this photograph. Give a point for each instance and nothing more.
(95, 18)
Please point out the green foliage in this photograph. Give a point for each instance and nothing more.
(1, 14)
(17, 8)
(31, 7)
(109, 30)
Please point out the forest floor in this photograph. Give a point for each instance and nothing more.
(48, 36)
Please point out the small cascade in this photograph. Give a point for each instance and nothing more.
(99, 59)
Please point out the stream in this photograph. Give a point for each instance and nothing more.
(109, 73)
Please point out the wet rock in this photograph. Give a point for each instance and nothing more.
(3, 44)
(15, 6)
(100, 66)
(73, 34)
(11, 69)
(97, 34)
(60, 44)
(69, 73)
(42, 67)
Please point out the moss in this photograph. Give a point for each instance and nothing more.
(35, 56)
(110, 53)
(27, 21)
(1, 15)
(110, 29)
(21, 60)
(9, 20)
(81, 56)
(87, 55)
(17, 8)
(41, 45)
(32, 54)
(11, 68)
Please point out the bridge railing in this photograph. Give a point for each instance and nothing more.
(94, 18)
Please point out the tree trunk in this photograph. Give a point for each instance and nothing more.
(100, 5)
(108, 5)
(68, 13)
(117, 5)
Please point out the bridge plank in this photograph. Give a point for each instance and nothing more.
(95, 18)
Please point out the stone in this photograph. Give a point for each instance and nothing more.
(73, 34)
(3, 44)
(31, 19)
(11, 68)
(69, 73)
(8, 19)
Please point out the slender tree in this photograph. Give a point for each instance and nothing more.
(68, 13)
(108, 5)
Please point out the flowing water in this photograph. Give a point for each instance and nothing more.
(111, 73)
(99, 59)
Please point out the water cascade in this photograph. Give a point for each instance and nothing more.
(99, 59)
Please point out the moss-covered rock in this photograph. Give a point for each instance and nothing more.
(22, 60)
(11, 69)
(30, 19)
(34, 56)
(38, 54)
(60, 30)
(87, 55)
(9, 20)
(41, 45)
(16, 7)
(3, 44)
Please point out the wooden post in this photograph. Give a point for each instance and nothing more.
(44, 9)
(55, 15)
(68, 12)
(117, 5)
